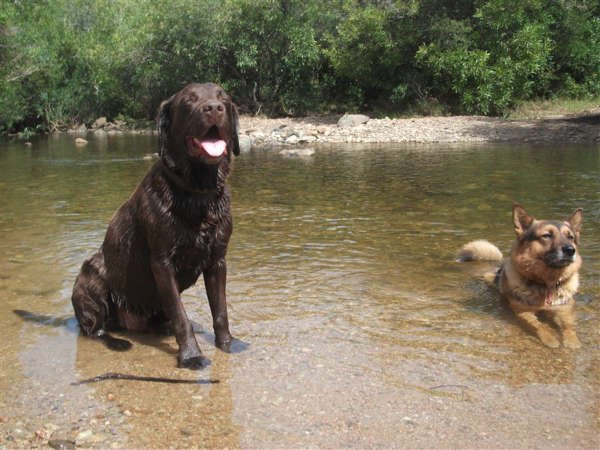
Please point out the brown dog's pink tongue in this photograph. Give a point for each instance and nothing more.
(214, 148)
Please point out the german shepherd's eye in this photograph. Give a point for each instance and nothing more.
(546, 235)
(570, 237)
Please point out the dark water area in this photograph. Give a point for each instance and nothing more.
(362, 330)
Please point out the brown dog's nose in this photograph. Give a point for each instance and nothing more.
(568, 250)
(213, 109)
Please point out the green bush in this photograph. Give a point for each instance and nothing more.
(271, 49)
(506, 59)
(70, 61)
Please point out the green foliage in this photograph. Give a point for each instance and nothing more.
(370, 51)
(69, 61)
(271, 48)
(64, 62)
(12, 104)
(506, 58)
(518, 51)
(362, 47)
(577, 55)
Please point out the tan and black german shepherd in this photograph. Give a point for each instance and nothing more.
(541, 275)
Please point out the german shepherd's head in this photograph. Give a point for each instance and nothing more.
(546, 250)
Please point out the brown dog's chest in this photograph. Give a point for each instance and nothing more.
(194, 250)
(197, 249)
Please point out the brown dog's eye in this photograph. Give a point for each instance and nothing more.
(547, 235)
(192, 98)
(570, 237)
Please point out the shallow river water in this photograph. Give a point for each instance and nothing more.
(359, 328)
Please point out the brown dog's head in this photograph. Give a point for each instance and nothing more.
(546, 247)
(197, 126)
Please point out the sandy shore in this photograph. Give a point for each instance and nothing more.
(260, 131)
(263, 132)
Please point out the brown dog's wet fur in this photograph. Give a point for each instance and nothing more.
(175, 227)
(541, 275)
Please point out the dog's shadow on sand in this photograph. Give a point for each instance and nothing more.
(69, 323)
(147, 339)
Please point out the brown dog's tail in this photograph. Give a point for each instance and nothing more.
(479, 250)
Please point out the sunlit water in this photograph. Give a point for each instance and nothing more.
(361, 329)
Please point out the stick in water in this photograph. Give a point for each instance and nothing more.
(124, 376)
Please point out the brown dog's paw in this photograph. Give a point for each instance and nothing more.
(113, 343)
(224, 346)
(224, 342)
(234, 346)
(193, 363)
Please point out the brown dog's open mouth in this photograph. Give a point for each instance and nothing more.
(209, 146)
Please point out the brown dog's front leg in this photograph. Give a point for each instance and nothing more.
(215, 279)
(189, 355)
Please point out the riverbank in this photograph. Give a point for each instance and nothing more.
(263, 132)
(259, 131)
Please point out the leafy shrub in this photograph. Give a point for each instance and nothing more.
(506, 59)
(69, 61)
(272, 48)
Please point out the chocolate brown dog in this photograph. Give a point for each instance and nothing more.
(541, 274)
(175, 226)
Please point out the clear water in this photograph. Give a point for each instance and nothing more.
(362, 331)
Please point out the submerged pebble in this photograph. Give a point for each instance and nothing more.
(84, 436)
(61, 444)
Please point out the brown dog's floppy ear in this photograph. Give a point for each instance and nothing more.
(235, 125)
(163, 123)
(521, 219)
(575, 220)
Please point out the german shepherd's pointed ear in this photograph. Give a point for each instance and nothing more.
(575, 221)
(235, 125)
(163, 123)
(521, 219)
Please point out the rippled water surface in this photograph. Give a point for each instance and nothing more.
(361, 330)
